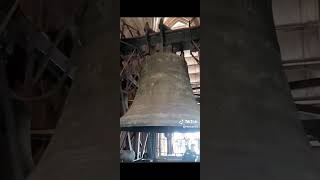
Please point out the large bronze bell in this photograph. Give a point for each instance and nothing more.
(164, 101)
(254, 133)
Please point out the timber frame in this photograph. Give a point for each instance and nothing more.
(180, 39)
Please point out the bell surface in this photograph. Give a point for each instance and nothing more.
(164, 101)
(254, 131)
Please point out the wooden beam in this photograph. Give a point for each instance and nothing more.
(144, 144)
(314, 82)
(180, 38)
(297, 26)
(308, 108)
(137, 145)
(304, 60)
(312, 127)
(123, 136)
(8, 17)
(310, 98)
(302, 66)
(39, 41)
(301, 63)
(129, 141)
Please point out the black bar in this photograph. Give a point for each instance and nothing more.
(160, 171)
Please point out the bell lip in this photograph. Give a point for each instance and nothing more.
(160, 129)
